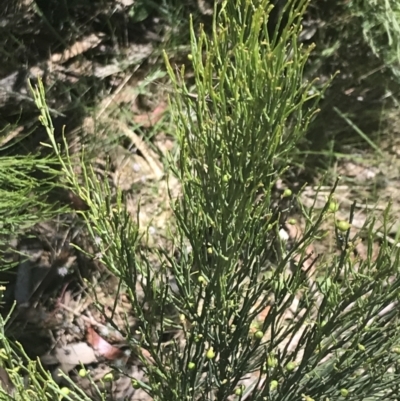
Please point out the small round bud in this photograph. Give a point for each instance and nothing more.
(333, 206)
(201, 280)
(290, 366)
(108, 377)
(225, 178)
(286, 193)
(344, 392)
(210, 353)
(82, 372)
(239, 391)
(273, 385)
(191, 365)
(198, 338)
(209, 250)
(343, 225)
(65, 390)
(190, 57)
(258, 335)
(292, 222)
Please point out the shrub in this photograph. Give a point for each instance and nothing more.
(258, 318)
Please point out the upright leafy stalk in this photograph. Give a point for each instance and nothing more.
(236, 137)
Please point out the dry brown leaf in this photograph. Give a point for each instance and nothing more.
(102, 347)
(148, 120)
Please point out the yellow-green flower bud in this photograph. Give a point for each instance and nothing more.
(286, 193)
(210, 353)
(258, 335)
(65, 390)
(343, 225)
(198, 338)
(191, 365)
(333, 206)
(239, 391)
(108, 377)
(290, 366)
(344, 392)
(273, 385)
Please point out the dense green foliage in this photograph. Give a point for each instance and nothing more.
(331, 326)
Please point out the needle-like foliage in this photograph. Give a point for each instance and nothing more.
(254, 317)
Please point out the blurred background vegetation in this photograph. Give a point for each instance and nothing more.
(84, 50)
